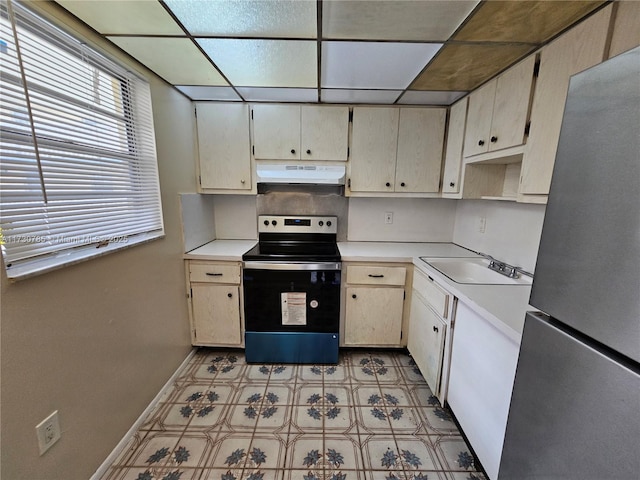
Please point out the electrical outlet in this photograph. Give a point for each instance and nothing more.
(482, 224)
(48, 432)
(388, 218)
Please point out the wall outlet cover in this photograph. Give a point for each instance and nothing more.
(48, 432)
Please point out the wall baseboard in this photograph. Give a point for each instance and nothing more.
(104, 467)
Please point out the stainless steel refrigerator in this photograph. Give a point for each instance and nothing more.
(575, 406)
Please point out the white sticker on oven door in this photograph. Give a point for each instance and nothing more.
(294, 308)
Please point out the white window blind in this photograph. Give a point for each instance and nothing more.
(78, 162)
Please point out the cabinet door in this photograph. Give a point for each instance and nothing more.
(373, 316)
(420, 144)
(216, 314)
(626, 29)
(476, 139)
(276, 132)
(374, 144)
(325, 133)
(224, 147)
(455, 141)
(511, 105)
(578, 49)
(426, 341)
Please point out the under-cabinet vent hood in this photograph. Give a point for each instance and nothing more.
(302, 174)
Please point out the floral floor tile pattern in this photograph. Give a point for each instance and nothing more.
(371, 417)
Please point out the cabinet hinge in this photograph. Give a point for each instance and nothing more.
(404, 295)
(351, 116)
(348, 152)
(200, 180)
(349, 183)
(195, 112)
(527, 129)
(191, 293)
(252, 114)
(253, 149)
(400, 335)
(536, 69)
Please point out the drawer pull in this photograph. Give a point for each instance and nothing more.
(353, 296)
(376, 276)
(214, 274)
(435, 329)
(231, 295)
(430, 278)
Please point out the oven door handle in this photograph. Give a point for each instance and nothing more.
(292, 266)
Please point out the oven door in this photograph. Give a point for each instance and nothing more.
(292, 297)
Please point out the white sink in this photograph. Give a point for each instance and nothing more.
(473, 271)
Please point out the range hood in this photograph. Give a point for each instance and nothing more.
(301, 174)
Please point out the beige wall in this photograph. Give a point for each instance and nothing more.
(96, 341)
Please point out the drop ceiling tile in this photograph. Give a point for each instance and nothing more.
(465, 66)
(359, 96)
(423, 97)
(177, 60)
(247, 18)
(523, 21)
(373, 65)
(209, 93)
(251, 94)
(265, 63)
(124, 17)
(393, 19)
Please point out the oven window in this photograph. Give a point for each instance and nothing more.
(264, 302)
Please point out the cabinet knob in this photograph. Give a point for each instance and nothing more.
(308, 152)
(435, 329)
(452, 184)
(242, 182)
(353, 296)
(231, 295)
(480, 142)
(494, 139)
(388, 184)
(293, 151)
(402, 184)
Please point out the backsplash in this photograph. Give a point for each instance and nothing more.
(511, 230)
(414, 219)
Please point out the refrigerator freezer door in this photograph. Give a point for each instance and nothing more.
(588, 269)
(573, 413)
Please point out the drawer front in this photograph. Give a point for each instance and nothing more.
(214, 272)
(432, 293)
(365, 275)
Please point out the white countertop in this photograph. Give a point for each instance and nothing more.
(504, 306)
(398, 252)
(222, 250)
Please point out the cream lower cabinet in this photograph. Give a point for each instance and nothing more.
(374, 305)
(429, 336)
(214, 301)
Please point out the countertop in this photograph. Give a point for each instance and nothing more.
(504, 306)
(221, 250)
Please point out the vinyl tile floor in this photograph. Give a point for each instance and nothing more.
(371, 417)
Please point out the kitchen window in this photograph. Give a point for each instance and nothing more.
(78, 168)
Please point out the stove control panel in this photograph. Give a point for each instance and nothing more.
(302, 224)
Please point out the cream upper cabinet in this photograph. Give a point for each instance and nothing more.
(497, 114)
(453, 151)
(580, 48)
(396, 149)
(295, 132)
(374, 143)
(325, 133)
(420, 146)
(223, 147)
(276, 132)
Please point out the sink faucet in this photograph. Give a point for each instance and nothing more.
(504, 268)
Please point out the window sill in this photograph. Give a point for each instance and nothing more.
(70, 257)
